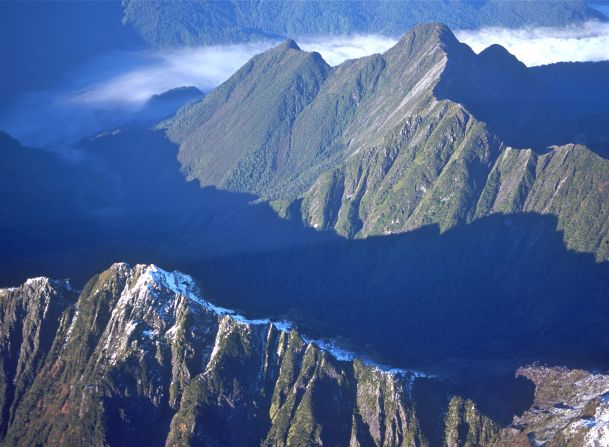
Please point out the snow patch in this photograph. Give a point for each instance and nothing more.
(598, 436)
(37, 280)
(329, 346)
(346, 355)
(184, 285)
(283, 326)
(149, 333)
(72, 323)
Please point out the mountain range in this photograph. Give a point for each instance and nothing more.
(427, 133)
(60, 36)
(140, 357)
(415, 244)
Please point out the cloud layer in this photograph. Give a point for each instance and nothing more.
(157, 72)
(545, 45)
(337, 49)
(150, 73)
(106, 92)
(206, 67)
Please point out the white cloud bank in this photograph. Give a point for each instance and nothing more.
(203, 67)
(545, 45)
(103, 94)
(207, 67)
(335, 50)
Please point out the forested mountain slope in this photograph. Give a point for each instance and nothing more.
(422, 134)
(208, 22)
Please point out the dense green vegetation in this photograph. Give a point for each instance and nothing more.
(419, 135)
(164, 23)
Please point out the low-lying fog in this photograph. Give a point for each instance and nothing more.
(108, 91)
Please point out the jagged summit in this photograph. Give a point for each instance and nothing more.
(139, 358)
(288, 44)
(374, 145)
(430, 32)
(423, 40)
(149, 286)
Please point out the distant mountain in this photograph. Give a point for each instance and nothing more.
(209, 22)
(166, 104)
(426, 133)
(46, 40)
(140, 357)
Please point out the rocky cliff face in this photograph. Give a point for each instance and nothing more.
(140, 358)
(30, 317)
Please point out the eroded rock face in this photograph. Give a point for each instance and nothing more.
(141, 358)
(30, 316)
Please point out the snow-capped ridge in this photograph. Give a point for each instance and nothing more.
(183, 284)
(43, 280)
(37, 280)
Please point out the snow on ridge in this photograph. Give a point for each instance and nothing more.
(36, 280)
(43, 280)
(283, 326)
(331, 347)
(183, 284)
(347, 355)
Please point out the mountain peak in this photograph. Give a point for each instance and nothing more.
(430, 32)
(425, 39)
(499, 56)
(288, 44)
(182, 362)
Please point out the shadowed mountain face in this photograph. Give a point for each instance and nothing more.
(426, 133)
(533, 107)
(140, 356)
(502, 286)
(476, 290)
(125, 198)
(465, 257)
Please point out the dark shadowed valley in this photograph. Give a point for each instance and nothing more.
(405, 248)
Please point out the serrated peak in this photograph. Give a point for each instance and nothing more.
(289, 44)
